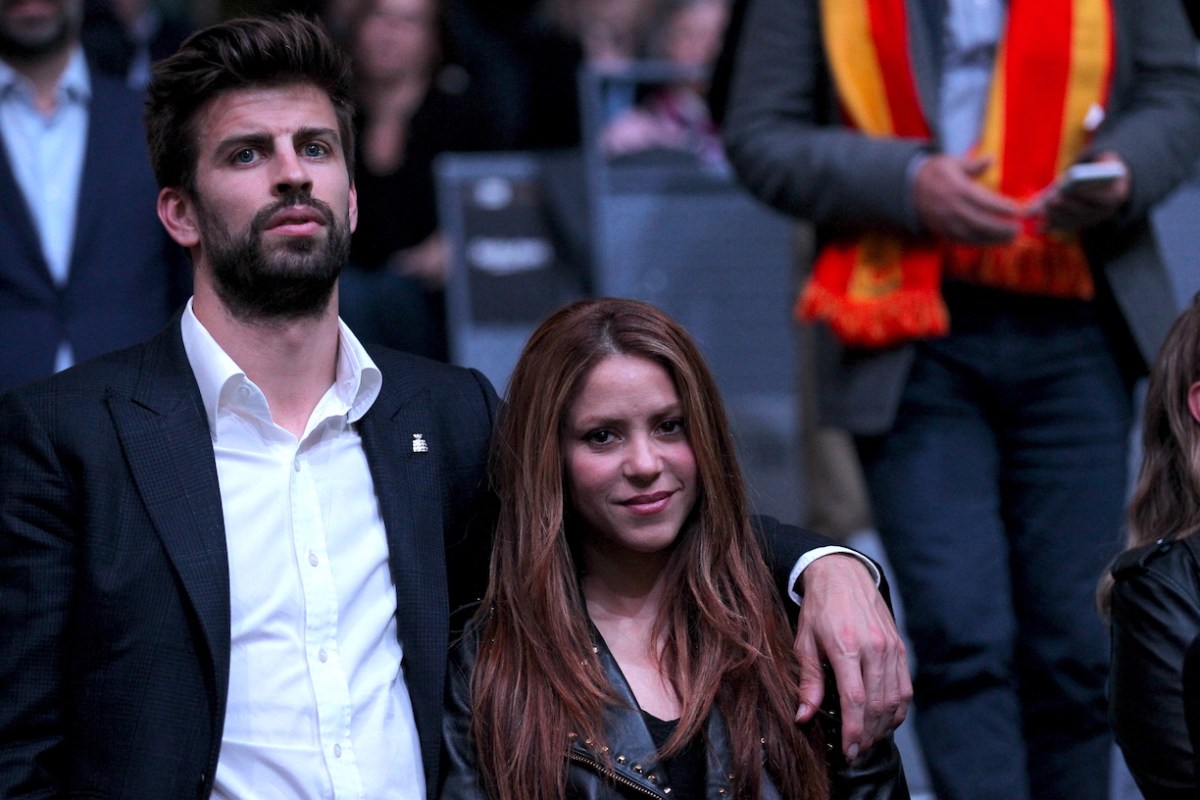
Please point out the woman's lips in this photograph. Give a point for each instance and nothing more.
(648, 503)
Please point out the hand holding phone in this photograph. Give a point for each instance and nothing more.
(1091, 174)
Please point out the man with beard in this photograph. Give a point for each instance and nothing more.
(224, 552)
(86, 267)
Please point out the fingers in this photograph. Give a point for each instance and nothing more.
(1075, 210)
(953, 204)
(875, 689)
(847, 672)
(812, 679)
(854, 630)
(887, 686)
(1083, 205)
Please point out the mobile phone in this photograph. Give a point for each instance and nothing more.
(1092, 173)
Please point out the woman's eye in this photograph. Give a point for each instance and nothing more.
(599, 437)
(671, 426)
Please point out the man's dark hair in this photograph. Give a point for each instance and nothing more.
(239, 54)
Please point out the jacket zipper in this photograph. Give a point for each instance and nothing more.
(618, 778)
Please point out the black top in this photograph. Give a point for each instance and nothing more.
(686, 768)
(398, 210)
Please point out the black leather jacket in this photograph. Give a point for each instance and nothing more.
(1154, 683)
(633, 770)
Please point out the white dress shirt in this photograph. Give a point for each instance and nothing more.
(318, 706)
(46, 153)
(970, 38)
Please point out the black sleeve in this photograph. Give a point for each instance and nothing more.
(38, 555)
(722, 74)
(1155, 622)
(460, 778)
(783, 545)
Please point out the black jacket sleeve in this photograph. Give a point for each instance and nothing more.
(1155, 623)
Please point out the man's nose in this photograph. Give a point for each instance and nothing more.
(291, 172)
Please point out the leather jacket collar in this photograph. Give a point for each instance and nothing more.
(631, 762)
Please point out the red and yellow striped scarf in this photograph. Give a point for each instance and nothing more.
(1053, 68)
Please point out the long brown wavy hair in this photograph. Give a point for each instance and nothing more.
(1166, 500)
(727, 641)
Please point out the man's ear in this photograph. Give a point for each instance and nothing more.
(1194, 400)
(353, 209)
(178, 215)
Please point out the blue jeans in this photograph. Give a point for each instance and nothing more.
(999, 497)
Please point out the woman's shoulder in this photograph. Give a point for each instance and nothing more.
(1175, 560)
(1157, 587)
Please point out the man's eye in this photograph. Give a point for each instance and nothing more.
(315, 150)
(245, 156)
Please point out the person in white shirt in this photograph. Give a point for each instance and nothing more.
(228, 555)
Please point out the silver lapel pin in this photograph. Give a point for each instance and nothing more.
(419, 443)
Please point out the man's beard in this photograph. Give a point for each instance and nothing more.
(19, 44)
(294, 281)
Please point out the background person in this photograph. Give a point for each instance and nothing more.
(630, 616)
(968, 302)
(413, 105)
(675, 116)
(86, 267)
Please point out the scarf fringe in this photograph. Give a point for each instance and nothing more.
(900, 316)
(1042, 265)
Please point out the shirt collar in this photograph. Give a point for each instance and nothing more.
(74, 86)
(356, 386)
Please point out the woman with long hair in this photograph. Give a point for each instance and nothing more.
(631, 642)
(1152, 595)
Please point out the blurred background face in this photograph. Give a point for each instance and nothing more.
(396, 38)
(694, 33)
(610, 30)
(30, 28)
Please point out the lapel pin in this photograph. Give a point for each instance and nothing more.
(419, 443)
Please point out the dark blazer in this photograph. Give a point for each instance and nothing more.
(630, 768)
(788, 146)
(1154, 687)
(114, 587)
(127, 277)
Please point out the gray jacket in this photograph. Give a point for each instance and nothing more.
(788, 146)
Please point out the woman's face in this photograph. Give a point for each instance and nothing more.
(630, 471)
(395, 38)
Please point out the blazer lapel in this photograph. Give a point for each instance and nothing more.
(14, 208)
(164, 433)
(407, 481)
(99, 170)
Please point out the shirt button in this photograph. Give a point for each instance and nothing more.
(312, 558)
(296, 463)
(244, 391)
(322, 655)
(337, 751)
